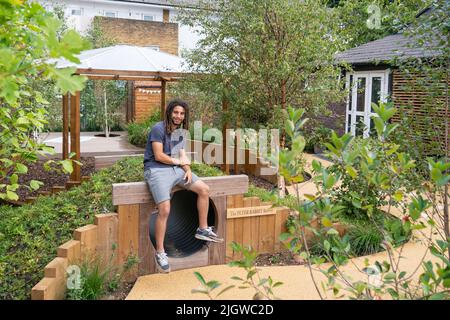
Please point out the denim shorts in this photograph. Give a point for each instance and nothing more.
(161, 181)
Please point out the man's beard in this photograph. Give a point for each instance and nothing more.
(176, 125)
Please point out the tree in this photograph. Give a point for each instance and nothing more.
(362, 21)
(272, 54)
(101, 100)
(366, 162)
(263, 56)
(28, 40)
(47, 87)
(429, 131)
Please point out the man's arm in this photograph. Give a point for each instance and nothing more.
(184, 159)
(160, 156)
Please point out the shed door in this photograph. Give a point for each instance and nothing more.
(365, 88)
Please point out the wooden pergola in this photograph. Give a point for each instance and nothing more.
(120, 62)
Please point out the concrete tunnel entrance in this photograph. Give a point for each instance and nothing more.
(179, 240)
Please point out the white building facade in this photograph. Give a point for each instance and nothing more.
(80, 13)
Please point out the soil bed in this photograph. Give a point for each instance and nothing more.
(51, 178)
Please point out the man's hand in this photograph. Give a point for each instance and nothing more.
(185, 160)
(188, 176)
(181, 162)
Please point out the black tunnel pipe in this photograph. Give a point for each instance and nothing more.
(182, 223)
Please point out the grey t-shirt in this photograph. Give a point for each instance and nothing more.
(172, 144)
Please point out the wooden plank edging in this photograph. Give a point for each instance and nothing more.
(137, 192)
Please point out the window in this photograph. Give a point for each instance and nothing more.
(148, 17)
(77, 12)
(110, 14)
(365, 88)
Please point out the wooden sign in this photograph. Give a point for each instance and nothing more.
(250, 212)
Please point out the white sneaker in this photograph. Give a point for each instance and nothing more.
(162, 262)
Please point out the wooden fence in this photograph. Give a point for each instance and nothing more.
(259, 229)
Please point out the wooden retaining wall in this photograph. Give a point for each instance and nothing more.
(87, 241)
(260, 231)
(127, 232)
(253, 164)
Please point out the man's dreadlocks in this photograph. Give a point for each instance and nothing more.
(168, 116)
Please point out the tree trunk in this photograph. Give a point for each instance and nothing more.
(447, 156)
(106, 114)
(280, 179)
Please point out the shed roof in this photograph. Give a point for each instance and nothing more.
(384, 50)
(398, 45)
(170, 3)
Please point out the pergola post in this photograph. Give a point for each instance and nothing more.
(163, 98)
(237, 141)
(65, 132)
(75, 134)
(226, 165)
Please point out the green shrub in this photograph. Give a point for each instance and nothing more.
(365, 239)
(30, 235)
(365, 235)
(203, 170)
(204, 129)
(98, 278)
(92, 283)
(138, 132)
(272, 196)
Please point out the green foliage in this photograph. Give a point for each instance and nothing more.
(195, 133)
(362, 23)
(263, 286)
(92, 283)
(138, 132)
(101, 103)
(437, 276)
(365, 176)
(97, 36)
(428, 77)
(203, 170)
(97, 278)
(209, 287)
(262, 57)
(318, 137)
(271, 196)
(364, 236)
(291, 162)
(101, 100)
(30, 37)
(372, 172)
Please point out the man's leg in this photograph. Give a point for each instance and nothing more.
(203, 232)
(161, 224)
(202, 191)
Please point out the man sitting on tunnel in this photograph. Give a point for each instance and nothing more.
(166, 165)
